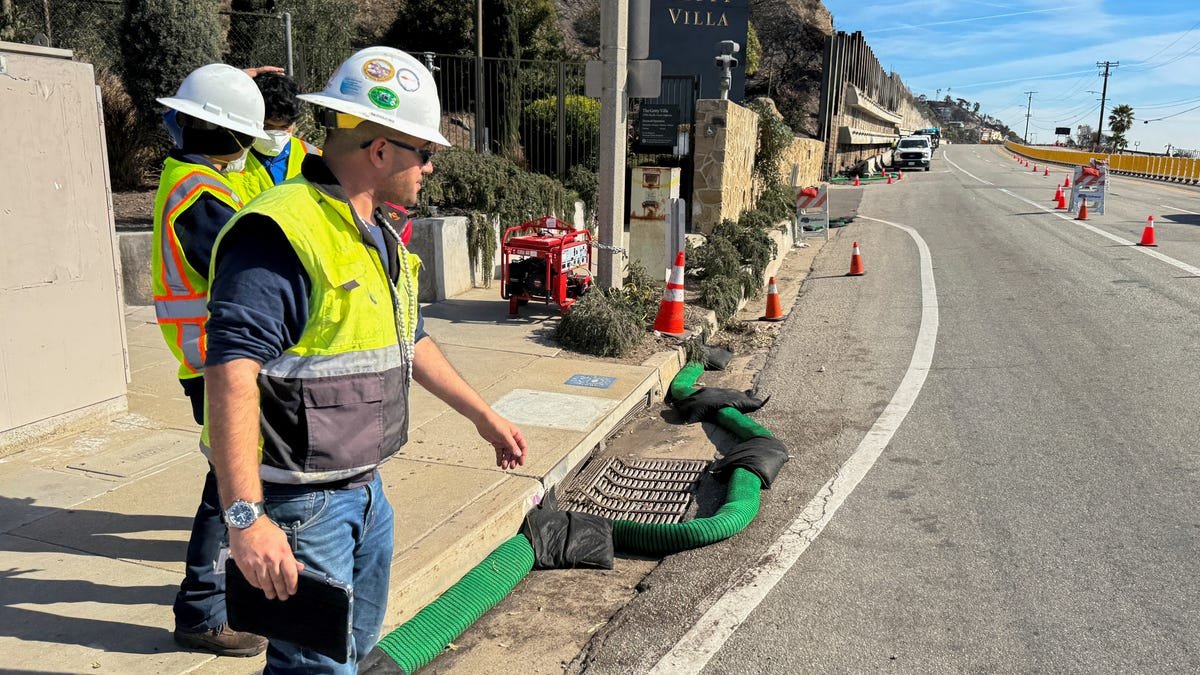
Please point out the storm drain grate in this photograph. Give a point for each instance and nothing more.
(644, 491)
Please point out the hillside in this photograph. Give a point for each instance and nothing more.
(962, 122)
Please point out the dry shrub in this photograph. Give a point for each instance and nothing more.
(133, 149)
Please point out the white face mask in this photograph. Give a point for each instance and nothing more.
(275, 144)
(236, 165)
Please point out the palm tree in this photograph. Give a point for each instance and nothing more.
(1119, 120)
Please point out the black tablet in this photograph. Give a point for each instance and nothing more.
(318, 616)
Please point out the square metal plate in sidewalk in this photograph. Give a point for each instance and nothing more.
(644, 491)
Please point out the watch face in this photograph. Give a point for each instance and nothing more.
(241, 515)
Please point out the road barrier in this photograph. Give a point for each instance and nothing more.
(1171, 169)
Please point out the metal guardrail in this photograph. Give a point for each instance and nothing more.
(1171, 169)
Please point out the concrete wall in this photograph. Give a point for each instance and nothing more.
(62, 334)
(445, 265)
(807, 153)
(726, 138)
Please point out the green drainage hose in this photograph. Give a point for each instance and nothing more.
(423, 637)
(416, 643)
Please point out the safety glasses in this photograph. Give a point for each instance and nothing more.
(425, 153)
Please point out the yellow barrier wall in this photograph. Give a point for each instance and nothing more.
(1177, 169)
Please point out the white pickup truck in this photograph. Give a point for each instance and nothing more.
(913, 151)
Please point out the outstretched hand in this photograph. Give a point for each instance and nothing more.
(255, 72)
(505, 438)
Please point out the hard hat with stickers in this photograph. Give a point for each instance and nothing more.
(386, 86)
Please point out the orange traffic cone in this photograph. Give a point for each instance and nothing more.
(670, 311)
(856, 181)
(1061, 201)
(1082, 210)
(856, 263)
(889, 180)
(1057, 194)
(1067, 181)
(774, 311)
(900, 174)
(1047, 172)
(1148, 233)
(1034, 168)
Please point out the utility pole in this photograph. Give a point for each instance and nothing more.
(1028, 106)
(1103, 95)
(610, 188)
(480, 132)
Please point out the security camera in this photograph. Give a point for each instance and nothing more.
(724, 61)
(728, 47)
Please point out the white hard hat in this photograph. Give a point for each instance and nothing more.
(386, 86)
(223, 95)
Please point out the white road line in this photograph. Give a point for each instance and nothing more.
(710, 633)
(1176, 208)
(946, 156)
(1194, 271)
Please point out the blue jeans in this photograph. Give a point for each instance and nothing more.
(346, 534)
(200, 602)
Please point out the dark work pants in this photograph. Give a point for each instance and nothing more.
(200, 603)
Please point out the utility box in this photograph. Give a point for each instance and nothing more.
(62, 334)
(651, 190)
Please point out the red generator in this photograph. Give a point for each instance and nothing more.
(547, 260)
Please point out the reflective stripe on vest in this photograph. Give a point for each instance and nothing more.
(181, 292)
(334, 405)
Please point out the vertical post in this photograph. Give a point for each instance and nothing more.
(610, 198)
(561, 137)
(287, 44)
(480, 134)
(46, 16)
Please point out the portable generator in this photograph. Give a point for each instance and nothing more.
(547, 260)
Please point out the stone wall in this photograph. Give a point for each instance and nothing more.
(807, 153)
(726, 138)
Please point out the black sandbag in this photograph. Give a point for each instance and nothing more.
(378, 662)
(706, 402)
(567, 539)
(764, 456)
(716, 358)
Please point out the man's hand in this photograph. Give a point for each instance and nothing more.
(262, 553)
(255, 72)
(505, 437)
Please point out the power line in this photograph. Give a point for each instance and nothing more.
(1172, 43)
(1167, 117)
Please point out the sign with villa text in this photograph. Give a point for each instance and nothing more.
(684, 36)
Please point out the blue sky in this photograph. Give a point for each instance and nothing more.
(992, 52)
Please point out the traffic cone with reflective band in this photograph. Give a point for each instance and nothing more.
(670, 311)
(900, 174)
(856, 263)
(1047, 173)
(1034, 168)
(1082, 210)
(1067, 181)
(1148, 233)
(856, 181)
(889, 180)
(774, 311)
(1057, 194)
(1061, 201)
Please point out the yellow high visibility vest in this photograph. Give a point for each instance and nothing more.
(181, 292)
(255, 178)
(335, 404)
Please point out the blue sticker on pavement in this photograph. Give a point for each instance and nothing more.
(593, 381)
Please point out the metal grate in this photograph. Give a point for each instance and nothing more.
(644, 491)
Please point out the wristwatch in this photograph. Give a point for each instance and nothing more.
(242, 514)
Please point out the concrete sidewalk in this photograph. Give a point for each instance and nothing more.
(93, 525)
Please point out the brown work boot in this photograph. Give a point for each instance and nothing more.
(222, 641)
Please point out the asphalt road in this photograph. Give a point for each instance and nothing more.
(1036, 510)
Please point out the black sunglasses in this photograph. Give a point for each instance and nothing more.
(425, 153)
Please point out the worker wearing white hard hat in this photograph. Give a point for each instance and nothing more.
(220, 112)
(315, 335)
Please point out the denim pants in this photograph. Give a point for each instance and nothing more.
(346, 534)
(200, 602)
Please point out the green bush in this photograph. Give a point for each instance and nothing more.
(601, 324)
(161, 42)
(542, 135)
(777, 202)
(774, 139)
(722, 295)
(464, 181)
